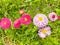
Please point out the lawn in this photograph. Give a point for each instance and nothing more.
(27, 34)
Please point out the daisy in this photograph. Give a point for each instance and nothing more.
(5, 23)
(44, 32)
(53, 16)
(40, 20)
(58, 17)
(21, 11)
(25, 19)
(0, 23)
(17, 23)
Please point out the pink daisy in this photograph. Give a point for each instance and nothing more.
(0, 23)
(40, 20)
(58, 17)
(17, 23)
(25, 19)
(5, 23)
(53, 16)
(44, 32)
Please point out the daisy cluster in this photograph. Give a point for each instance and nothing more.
(41, 21)
(5, 23)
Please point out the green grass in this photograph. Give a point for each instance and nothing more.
(27, 35)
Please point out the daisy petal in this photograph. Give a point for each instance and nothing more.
(42, 35)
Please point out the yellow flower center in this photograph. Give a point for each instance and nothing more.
(25, 19)
(5, 23)
(40, 18)
(44, 31)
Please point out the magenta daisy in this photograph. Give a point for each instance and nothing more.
(25, 19)
(40, 20)
(5, 23)
(53, 16)
(17, 23)
(44, 32)
(0, 23)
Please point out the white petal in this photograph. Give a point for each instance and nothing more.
(48, 33)
(42, 35)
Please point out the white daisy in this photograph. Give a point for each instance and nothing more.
(44, 32)
(40, 20)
